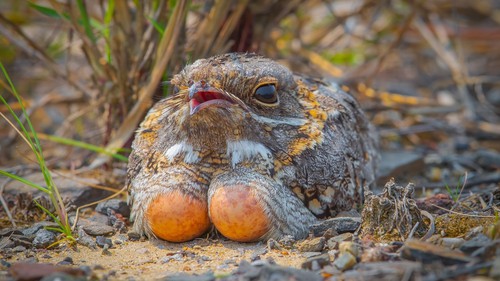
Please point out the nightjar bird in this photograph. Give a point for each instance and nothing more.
(247, 147)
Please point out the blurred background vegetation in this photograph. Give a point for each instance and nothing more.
(425, 71)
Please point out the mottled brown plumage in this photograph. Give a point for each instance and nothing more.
(302, 149)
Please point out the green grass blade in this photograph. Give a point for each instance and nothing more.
(55, 229)
(157, 25)
(108, 17)
(47, 11)
(32, 138)
(56, 219)
(25, 181)
(83, 145)
(34, 142)
(86, 20)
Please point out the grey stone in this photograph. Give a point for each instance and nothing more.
(312, 245)
(85, 239)
(18, 249)
(66, 261)
(257, 253)
(316, 262)
(102, 241)
(452, 242)
(339, 225)
(340, 238)
(116, 205)
(133, 236)
(37, 226)
(349, 247)
(310, 254)
(99, 218)
(345, 261)
(43, 238)
(475, 243)
(98, 229)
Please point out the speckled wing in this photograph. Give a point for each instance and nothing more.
(331, 177)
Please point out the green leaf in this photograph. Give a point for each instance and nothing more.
(83, 145)
(25, 181)
(47, 11)
(86, 20)
(157, 25)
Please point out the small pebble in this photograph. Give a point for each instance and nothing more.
(116, 205)
(102, 241)
(345, 261)
(310, 254)
(222, 267)
(230, 261)
(99, 219)
(98, 229)
(332, 244)
(312, 245)
(452, 242)
(18, 249)
(342, 237)
(333, 254)
(43, 238)
(86, 269)
(133, 236)
(30, 260)
(205, 258)
(317, 262)
(257, 253)
(85, 239)
(475, 243)
(105, 250)
(177, 257)
(348, 246)
(66, 261)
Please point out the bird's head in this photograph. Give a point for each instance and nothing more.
(233, 97)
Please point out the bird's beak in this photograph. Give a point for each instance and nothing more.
(201, 95)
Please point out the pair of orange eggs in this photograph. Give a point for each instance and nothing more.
(234, 210)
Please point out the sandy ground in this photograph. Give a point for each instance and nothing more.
(150, 260)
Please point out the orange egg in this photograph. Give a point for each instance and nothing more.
(238, 214)
(176, 217)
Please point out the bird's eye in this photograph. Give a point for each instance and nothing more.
(266, 94)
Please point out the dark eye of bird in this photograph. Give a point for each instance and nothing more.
(266, 93)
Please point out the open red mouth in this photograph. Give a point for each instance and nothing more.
(204, 99)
